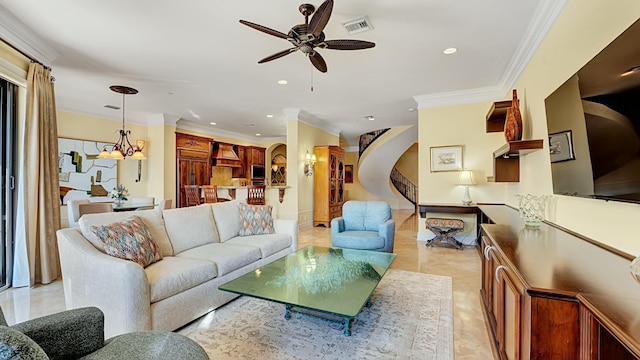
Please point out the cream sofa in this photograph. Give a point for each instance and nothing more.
(201, 250)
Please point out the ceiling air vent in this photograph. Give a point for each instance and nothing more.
(358, 25)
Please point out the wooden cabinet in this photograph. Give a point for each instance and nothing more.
(328, 184)
(256, 155)
(550, 294)
(193, 163)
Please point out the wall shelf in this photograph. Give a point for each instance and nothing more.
(506, 160)
(497, 115)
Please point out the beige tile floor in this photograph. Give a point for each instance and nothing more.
(471, 340)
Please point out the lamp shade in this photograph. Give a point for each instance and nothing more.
(466, 178)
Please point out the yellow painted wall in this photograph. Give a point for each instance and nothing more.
(78, 126)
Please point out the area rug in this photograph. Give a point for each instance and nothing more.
(411, 318)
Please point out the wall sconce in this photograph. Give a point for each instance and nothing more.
(138, 155)
(309, 163)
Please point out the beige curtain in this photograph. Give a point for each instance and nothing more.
(42, 192)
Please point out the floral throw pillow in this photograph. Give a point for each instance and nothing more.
(130, 240)
(255, 220)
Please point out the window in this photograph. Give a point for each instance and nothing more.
(8, 140)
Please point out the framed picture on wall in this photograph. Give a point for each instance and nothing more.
(561, 146)
(348, 174)
(446, 158)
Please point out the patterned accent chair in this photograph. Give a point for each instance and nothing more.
(445, 229)
(364, 225)
(79, 334)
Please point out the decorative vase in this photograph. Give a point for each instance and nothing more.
(118, 201)
(635, 269)
(532, 209)
(513, 122)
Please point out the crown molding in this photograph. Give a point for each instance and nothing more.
(19, 35)
(311, 120)
(459, 97)
(213, 131)
(544, 17)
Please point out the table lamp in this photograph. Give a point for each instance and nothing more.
(466, 178)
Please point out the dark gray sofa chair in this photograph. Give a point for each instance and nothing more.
(79, 334)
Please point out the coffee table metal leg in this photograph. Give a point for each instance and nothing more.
(347, 326)
(287, 312)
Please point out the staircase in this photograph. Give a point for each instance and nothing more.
(378, 152)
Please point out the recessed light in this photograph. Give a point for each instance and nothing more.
(258, 134)
(370, 117)
(449, 51)
(412, 109)
(269, 116)
(212, 123)
(282, 82)
(632, 70)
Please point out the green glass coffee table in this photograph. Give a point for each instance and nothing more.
(331, 283)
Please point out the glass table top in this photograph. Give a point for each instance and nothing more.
(338, 281)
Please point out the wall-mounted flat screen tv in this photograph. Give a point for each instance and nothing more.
(593, 121)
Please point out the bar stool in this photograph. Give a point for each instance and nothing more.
(445, 229)
(210, 193)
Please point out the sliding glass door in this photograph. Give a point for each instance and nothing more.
(8, 125)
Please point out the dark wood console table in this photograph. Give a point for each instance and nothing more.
(551, 294)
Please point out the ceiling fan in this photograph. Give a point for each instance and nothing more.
(309, 36)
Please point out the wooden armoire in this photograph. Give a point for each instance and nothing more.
(328, 184)
(193, 162)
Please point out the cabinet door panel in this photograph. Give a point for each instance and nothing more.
(511, 318)
(200, 171)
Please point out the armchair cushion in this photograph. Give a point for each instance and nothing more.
(363, 240)
(365, 215)
(15, 345)
(68, 334)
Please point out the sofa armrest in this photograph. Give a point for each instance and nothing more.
(337, 225)
(68, 334)
(92, 278)
(289, 227)
(387, 231)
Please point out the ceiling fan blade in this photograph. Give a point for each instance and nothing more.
(348, 44)
(318, 62)
(320, 18)
(265, 29)
(278, 55)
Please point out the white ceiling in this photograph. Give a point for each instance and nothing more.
(194, 61)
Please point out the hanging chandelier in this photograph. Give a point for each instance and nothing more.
(123, 148)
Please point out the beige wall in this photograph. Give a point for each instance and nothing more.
(583, 29)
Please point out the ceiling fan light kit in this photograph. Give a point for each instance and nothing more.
(309, 36)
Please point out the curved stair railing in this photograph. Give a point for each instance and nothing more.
(367, 139)
(404, 186)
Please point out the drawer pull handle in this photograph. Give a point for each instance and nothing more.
(486, 251)
(498, 271)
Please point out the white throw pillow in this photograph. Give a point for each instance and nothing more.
(227, 216)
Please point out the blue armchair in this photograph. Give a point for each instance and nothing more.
(364, 225)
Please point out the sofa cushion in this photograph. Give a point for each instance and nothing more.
(228, 257)
(268, 244)
(227, 216)
(174, 275)
(363, 240)
(151, 218)
(128, 239)
(16, 345)
(190, 227)
(255, 220)
(365, 215)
